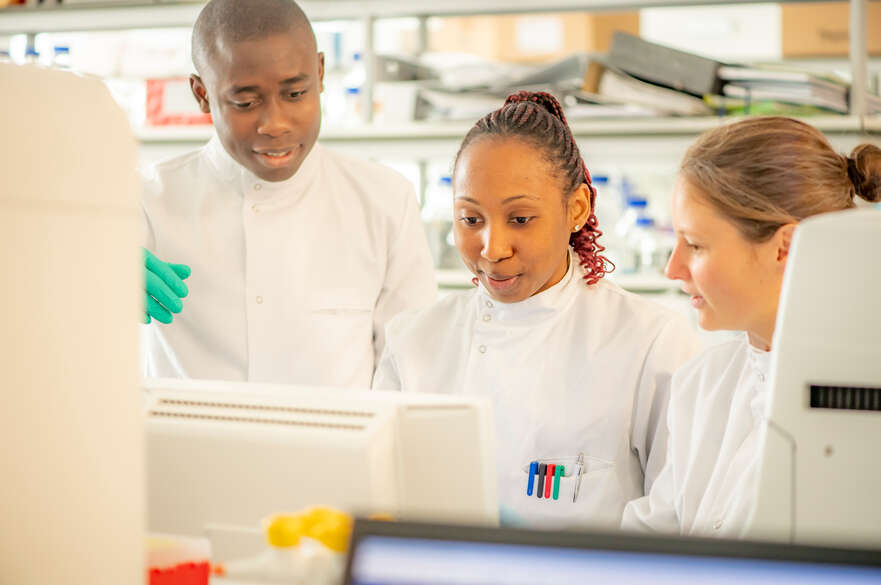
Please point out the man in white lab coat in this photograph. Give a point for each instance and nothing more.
(299, 255)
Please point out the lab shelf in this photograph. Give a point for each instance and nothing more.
(456, 130)
(133, 14)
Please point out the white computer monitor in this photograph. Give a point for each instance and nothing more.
(820, 477)
(232, 453)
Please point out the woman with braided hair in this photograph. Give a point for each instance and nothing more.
(742, 190)
(577, 369)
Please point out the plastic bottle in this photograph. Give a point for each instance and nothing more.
(353, 87)
(352, 109)
(437, 215)
(61, 57)
(644, 244)
(32, 56)
(627, 256)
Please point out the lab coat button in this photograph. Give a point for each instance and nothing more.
(257, 186)
(482, 349)
(259, 300)
(254, 208)
(487, 317)
(717, 525)
(489, 304)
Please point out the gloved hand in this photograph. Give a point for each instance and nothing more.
(164, 288)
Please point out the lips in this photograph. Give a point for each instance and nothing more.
(501, 282)
(697, 301)
(275, 157)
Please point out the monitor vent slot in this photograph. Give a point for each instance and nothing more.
(264, 408)
(846, 397)
(259, 421)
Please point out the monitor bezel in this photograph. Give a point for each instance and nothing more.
(611, 541)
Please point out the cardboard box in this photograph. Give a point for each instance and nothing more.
(171, 103)
(531, 37)
(823, 29)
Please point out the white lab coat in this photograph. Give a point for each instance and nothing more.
(708, 485)
(292, 281)
(573, 369)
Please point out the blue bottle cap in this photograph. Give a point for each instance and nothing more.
(637, 202)
(645, 221)
(353, 90)
(446, 181)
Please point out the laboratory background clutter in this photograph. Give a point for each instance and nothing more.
(403, 84)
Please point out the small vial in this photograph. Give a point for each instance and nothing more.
(61, 57)
(32, 56)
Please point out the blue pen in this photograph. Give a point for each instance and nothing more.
(533, 469)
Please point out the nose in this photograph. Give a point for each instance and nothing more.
(676, 268)
(273, 121)
(496, 244)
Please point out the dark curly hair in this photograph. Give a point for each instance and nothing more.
(537, 118)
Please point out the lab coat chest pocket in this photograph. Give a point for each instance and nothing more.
(340, 318)
(579, 502)
(340, 301)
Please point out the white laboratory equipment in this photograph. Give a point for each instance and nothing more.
(71, 495)
(232, 453)
(437, 215)
(632, 235)
(820, 475)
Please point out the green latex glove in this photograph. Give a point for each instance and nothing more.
(164, 288)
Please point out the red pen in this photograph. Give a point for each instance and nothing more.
(550, 480)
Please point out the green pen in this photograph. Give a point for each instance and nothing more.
(558, 473)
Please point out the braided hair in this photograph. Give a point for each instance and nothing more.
(537, 118)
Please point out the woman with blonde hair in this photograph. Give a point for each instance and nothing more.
(741, 191)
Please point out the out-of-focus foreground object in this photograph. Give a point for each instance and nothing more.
(72, 489)
(821, 473)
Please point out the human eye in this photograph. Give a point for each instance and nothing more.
(469, 220)
(244, 104)
(296, 94)
(521, 219)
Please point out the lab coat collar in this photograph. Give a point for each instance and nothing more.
(759, 359)
(536, 307)
(256, 189)
(760, 363)
(226, 168)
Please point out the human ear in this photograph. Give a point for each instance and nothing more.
(783, 239)
(579, 207)
(200, 93)
(320, 72)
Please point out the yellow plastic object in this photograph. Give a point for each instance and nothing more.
(330, 527)
(284, 531)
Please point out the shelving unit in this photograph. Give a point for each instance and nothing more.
(176, 13)
(182, 13)
(657, 139)
(580, 128)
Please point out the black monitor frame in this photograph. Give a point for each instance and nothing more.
(612, 541)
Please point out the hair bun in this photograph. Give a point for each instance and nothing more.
(540, 98)
(864, 170)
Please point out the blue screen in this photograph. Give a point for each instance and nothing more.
(381, 560)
